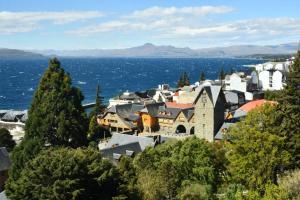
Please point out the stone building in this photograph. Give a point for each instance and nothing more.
(209, 112)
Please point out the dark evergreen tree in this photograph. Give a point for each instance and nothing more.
(186, 79)
(6, 140)
(66, 173)
(180, 82)
(23, 153)
(289, 104)
(99, 106)
(56, 116)
(222, 74)
(202, 76)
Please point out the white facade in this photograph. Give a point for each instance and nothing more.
(271, 80)
(235, 82)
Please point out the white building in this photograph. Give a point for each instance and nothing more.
(272, 74)
(236, 82)
(163, 93)
(271, 80)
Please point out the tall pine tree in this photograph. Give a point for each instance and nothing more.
(184, 80)
(289, 104)
(56, 116)
(99, 106)
(202, 76)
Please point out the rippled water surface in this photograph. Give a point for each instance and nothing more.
(19, 78)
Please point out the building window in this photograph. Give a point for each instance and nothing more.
(203, 115)
(203, 125)
(203, 104)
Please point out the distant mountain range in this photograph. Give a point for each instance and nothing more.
(18, 54)
(152, 51)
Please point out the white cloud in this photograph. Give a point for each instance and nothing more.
(153, 18)
(256, 28)
(168, 11)
(15, 22)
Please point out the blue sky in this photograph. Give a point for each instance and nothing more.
(90, 24)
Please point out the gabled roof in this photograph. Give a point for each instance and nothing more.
(152, 109)
(169, 113)
(4, 159)
(213, 92)
(188, 113)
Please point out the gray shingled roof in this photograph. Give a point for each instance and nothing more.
(152, 108)
(213, 92)
(3, 112)
(4, 159)
(171, 113)
(114, 153)
(122, 139)
(239, 113)
(14, 115)
(231, 97)
(188, 113)
(220, 133)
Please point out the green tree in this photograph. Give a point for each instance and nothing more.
(256, 152)
(177, 164)
(129, 178)
(194, 192)
(180, 82)
(184, 80)
(95, 131)
(272, 95)
(65, 173)
(6, 140)
(289, 107)
(56, 115)
(99, 106)
(22, 154)
(202, 76)
(222, 74)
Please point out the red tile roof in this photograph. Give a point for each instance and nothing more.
(253, 104)
(179, 105)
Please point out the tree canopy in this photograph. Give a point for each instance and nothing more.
(289, 107)
(6, 139)
(65, 173)
(256, 151)
(56, 115)
(171, 167)
(202, 76)
(184, 80)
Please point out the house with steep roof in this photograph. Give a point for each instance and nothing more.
(122, 118)
(4, 166)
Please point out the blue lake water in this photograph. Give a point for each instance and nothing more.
(19, 78)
